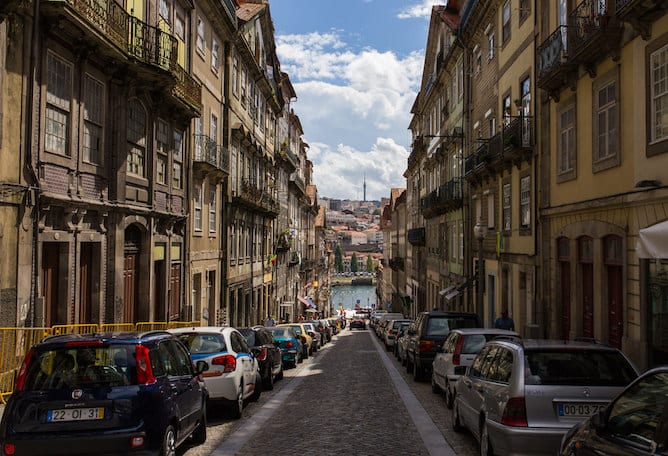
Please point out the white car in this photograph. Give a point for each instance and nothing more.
(233, 375)
(458, 351)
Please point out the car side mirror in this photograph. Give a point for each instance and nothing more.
(201, 366)
(598, 420)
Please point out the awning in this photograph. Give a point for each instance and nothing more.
(306, 301)
(447, 290)
(452, 294)
(653, 241)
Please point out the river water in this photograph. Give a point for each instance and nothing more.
(348, 296)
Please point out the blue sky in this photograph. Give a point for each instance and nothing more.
(356, 66)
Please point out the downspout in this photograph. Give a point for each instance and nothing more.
(31, 172)
(224, 204)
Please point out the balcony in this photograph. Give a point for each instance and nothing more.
(397, 263)
(640, 14)
(208, 158)
(307, 265)
(298, 182)
(593, 33)
(286, 154)
(112, 32)
(231, 11)
(416, 236)
(477, 161)
(8, 7)
(555, 71)
(252, 197)
(446, 198)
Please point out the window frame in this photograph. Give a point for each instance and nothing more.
(612, 157)
(94, 117)
(506, 206)
(197, 208)
(161, 152)
(200, 45)
(570, 155)
(525, 202)
(213, 201)
(505, 22)
(177, 159)
(58, 100)
(136, 157)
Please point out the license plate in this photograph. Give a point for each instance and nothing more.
(578, 409)
(77, 414)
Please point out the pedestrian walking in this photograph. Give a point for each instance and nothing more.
(504, 321)
(270, 321)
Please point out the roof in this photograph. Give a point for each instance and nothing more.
(247, 11)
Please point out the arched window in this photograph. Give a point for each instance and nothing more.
(136, 137)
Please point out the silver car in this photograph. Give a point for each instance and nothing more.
(391, 330)
(458, 352)
(520, 397)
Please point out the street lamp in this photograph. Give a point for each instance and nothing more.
(479, 233)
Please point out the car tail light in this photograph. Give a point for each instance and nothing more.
(8, 449)
(391, 331)
(263, 354)
(136, 441)
(427, 345)
(21, 377)
(515, 413)
(288, 344)
(228, 362)
(144, 370)
(456, 355)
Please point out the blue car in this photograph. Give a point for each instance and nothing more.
(290, 345)
(107, 393)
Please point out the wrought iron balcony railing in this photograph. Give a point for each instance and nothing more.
(416, 236)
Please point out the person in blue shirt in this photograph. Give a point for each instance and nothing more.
(504, 321)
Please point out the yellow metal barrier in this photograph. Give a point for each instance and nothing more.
(182, 324)
(14, 345)
(151, 326)
(75, 329)
(117, 327)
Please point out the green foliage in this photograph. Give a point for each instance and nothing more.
(353, 263)
(338, 258)
(370, 267)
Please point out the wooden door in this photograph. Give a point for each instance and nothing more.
(130, 287)
(615, 311)
(159, 309)
(587, 300)
(565, 299)
(51, 282)
(85, 282)
(175, 292)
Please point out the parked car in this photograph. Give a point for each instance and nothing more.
(357, 322)
(401, 342)
(521, 397)
(635, 423)
(266, 352)
(326, 328)
(233, 375)
(303, 334)
(316, 337)
(457, 353)
(427, 335)
(382, 321)
(289, 343)
(391, 330)
(320, 329)
(121, 393)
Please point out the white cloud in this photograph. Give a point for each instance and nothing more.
(420, 10)
(355, 110)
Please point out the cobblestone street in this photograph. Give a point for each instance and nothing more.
(343, 400)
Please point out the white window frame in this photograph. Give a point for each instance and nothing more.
(567, 145)
(197, 207)
(491, 222)
(525, 202)
(215, 47)
(212, 209)
(506, 205)
(93, 119)
(161, 150)
(58, 115)
(658, 90)
(607, 140)
(201, 36)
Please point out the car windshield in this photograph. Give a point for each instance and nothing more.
(81, 367)
(249, 335)
(441, 326)
(281, 332)
(577, 368)
(199, 344)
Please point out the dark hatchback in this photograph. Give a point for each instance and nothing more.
(267, 352)
(105, 394)
(427, 334)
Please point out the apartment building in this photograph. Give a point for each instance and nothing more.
(601, 66)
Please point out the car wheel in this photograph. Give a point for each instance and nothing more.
(449, 397)
(434, 386)
(456, 421)
(257, 388)
(268, 384)
(169, 442)
(279, 376)
(199, 435)
(485, 447)
(417, 372)
(409, 365)
(238, 405)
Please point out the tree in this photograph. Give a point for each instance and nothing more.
(353, 263)
(369, 264)
(338, 258)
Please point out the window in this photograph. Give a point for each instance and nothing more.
(505, 18)
(199, 152)
(233, 244)
(177, 161)
(659, 94)
(525, 92)
(201, 43)
(136, 136)
(161, 147)
(180, 28)
(212, 209)
(58, 104)
(606, 130)
(461, 242)
(525, 202)
(197, 219)
(243, 86)
(213, 132)
(490, 211)
(214, 55)
(490, 43)
(506, 201)
(525, 9)
(507, 109)
(566, 146)
(93, 116)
